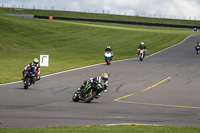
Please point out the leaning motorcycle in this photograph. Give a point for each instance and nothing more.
(197, 49)
(108, 57)
(88, 93)
(141, 54)
(29, 77)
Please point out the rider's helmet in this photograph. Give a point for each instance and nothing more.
(142, 43)
(104, 77)
(35, 61)
(197, 43)
(108, 46)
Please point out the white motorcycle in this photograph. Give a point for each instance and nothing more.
(108, 57)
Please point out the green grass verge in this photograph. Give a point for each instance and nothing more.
(73, 44)
(105, 129)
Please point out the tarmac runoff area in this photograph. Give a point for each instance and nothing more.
(161, 90)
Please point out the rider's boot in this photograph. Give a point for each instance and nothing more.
(98, 96)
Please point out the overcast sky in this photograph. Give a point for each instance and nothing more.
(179, 9)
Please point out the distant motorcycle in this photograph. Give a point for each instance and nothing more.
(197, 49)
(29, 77)
(141, 54)
(88, 93)
(108, 57)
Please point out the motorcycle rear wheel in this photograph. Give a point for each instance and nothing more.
(90, 96)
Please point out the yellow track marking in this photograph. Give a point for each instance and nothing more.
(143, 90)
(120, 99)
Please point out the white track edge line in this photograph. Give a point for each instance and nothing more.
(131, 124)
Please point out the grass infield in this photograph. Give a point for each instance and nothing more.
(105, 129)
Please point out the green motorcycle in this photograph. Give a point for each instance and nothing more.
(88, 93)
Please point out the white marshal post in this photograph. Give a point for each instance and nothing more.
(44, 60)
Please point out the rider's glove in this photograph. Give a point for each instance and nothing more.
(100, 86)
(91, 79)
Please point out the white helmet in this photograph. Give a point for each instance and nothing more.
(142, 43)
(35, 61)
(108, 46)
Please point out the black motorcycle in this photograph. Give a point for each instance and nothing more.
(88, 93)
(197, 48)
(29, 77)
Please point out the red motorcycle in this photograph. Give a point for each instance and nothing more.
(141, 54)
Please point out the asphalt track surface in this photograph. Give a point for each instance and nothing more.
(162, 90)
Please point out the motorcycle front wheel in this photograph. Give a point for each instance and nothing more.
(75, 97)
(107, 62)
(141, 58)
(26, 83)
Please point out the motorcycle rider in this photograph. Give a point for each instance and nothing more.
(36, 65)
(102, 82)
(197, 44)
(108, 49)
(142, 46)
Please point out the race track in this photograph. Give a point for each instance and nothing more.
(161, 90)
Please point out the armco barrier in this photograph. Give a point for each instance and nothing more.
(119, 22)
(22, 15)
